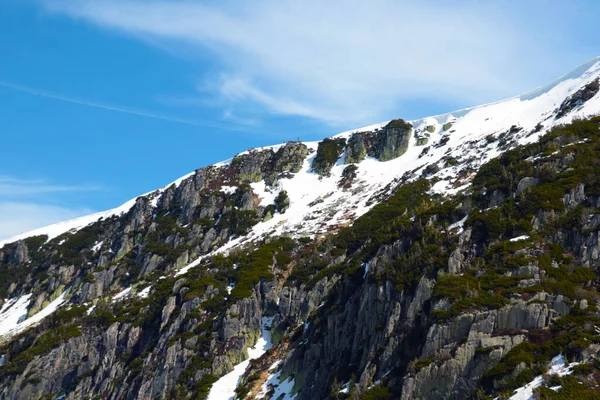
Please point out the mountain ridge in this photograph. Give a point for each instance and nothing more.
(577, 73)
(411, 259)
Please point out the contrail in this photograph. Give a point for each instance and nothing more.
(41, 93)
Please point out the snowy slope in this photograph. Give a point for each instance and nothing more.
(318, 205)
(14, 312)
(73, 225)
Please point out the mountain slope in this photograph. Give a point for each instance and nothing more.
(402, 254)
(524, 113)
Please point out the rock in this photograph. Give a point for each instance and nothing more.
(251, 164)
(19, 254)
(393, 140)
(447, 125)
(578, 98)
(167, 311)
(455, 262)
(356, 150)
(524, 316)
(575, 196)
(560, 306)
(525, 183)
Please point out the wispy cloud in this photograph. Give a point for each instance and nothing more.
(11, 187)
(87, 103)
(343, 61)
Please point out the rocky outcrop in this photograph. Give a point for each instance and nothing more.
(393, 140)
(578, 98)
(384, 144)
(256, 165)
(359, 145)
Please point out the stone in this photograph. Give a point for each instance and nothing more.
(525, 183)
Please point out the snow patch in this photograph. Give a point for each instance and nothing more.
(458, 224)
(224, 388)
(145, 292)
(14, 312)
(230, 288)
(557, 367)
(97, 246)
(228, 189)
(122, 294)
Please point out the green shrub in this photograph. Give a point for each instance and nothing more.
(328, 152)
(282, 202)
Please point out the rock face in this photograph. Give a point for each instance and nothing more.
(359, 145)
(525, 183)
(384, 144)
(393, 142)
(257, 165)
(578, 98)
(162, 231)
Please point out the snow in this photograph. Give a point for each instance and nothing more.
(228, 189)
(345, 388)
(191, 265)
(519, 238)
(224, 388)
(557, 367)
(14, 312)
(458, 224)
(122, 294)
(145, 292)
(97, 246)
(72, 225)
(91, 309)
(318, 205)
(283, 390)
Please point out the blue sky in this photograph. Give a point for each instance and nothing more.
(103, 100)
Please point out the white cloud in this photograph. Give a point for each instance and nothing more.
(342, 61)
(16, 218)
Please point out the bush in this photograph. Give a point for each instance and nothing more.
(282, 202)
(328, 152)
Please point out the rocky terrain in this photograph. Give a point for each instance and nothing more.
(450, 257)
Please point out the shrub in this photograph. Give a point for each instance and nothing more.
(282, 202)
(328, 152)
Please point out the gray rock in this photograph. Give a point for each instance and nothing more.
(525, 183)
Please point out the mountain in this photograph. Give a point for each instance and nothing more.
(453, 256)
